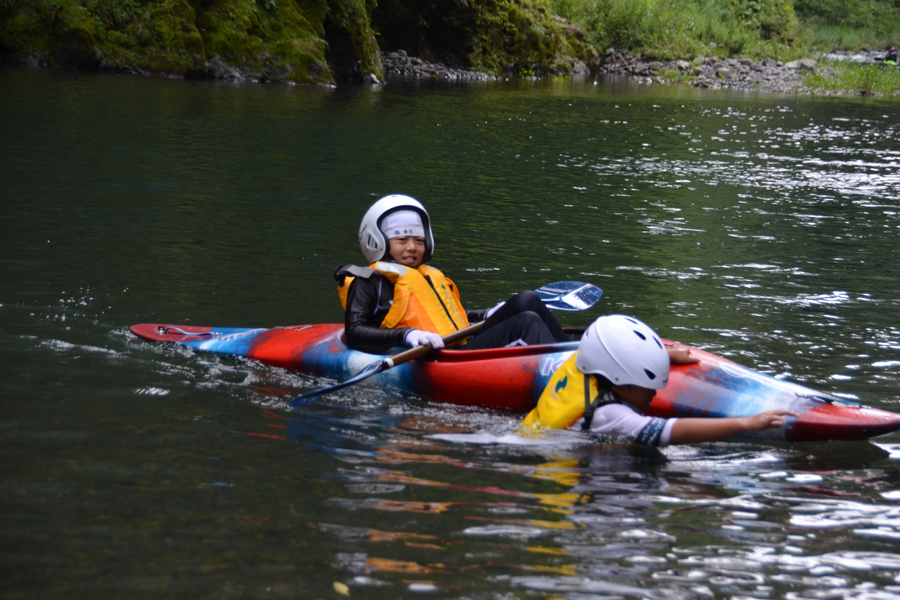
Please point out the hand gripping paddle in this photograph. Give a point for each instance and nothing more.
(569, 296)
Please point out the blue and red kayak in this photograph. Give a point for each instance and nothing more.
(512, 379)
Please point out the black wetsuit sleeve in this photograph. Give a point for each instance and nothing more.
(368, 301)
(475, 316)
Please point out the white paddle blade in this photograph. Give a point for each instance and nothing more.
(570, 296)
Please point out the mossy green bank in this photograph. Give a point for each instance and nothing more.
(266, 39)
(323, 41)
(302, 41)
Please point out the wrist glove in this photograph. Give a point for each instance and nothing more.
(417, 337)
(492, 310)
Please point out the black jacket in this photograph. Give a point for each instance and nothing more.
(368, 301)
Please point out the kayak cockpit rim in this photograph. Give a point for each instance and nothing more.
(460, 354)
(463, 355)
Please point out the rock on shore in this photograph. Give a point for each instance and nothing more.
(715, 73)
(399, 64)
(704, 72)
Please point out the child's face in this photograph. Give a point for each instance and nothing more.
(639, 396)
(408, 250)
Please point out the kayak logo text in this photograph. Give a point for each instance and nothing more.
(551, 364)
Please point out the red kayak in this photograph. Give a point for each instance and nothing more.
(512, 379)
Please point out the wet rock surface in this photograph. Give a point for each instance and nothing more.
(398, 64)
(716, 73)
(746, 74)
(704, 72)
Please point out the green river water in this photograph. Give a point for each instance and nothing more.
(759, 227)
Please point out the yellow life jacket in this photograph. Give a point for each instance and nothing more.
(563, 400)
(423, 299)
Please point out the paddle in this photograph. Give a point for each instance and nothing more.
(570, 296)
(561, 295)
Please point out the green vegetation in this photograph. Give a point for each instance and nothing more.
(488, 35)
(523, 35)
(851, 24)
(864, 79)
(268, 39)
(779, 29)
(280, 40)
(318, 41)
(689, 28)
(306, 41)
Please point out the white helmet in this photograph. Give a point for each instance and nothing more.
(372, 241)
(625, 351)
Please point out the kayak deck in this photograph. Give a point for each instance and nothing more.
(502, 378)
(512, 379)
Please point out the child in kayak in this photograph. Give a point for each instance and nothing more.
(400, 300)
(608, 383)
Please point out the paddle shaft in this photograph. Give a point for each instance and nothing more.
(412, 353)
(557, 296)
(385, 364)
(450, 338)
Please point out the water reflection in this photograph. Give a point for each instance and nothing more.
(612, 520)
(445, 500)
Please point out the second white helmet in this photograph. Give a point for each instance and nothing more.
(372, 242)
(625, 351)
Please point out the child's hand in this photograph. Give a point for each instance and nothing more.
(702, 429)
(679, 355)
(771, 419)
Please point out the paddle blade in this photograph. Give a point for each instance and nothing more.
(570, 296)
(310, 397)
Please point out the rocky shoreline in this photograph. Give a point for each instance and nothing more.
(398, 64)
(715, 73)
(703, 72)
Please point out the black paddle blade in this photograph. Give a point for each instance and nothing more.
(310, 397)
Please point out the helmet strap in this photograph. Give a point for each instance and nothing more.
(605, 395)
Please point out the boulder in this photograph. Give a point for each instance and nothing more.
(804, 64)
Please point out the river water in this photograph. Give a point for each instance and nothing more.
(759, 227)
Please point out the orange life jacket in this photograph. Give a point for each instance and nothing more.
(423, 299)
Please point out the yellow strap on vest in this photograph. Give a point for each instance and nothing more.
(563, 400)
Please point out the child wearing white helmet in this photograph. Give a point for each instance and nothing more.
(400, 300)
(607, 384)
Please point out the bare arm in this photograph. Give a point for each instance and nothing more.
(696, 430)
